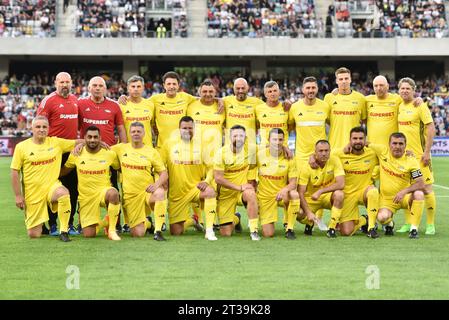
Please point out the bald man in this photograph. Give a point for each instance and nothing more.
(61, 109)
(105, 113)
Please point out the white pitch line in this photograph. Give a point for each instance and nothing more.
(442, 187)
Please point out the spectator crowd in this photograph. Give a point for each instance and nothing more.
(19, 97)
(27, 18)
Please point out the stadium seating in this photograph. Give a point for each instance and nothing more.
(235, 19)
(20, 98)
(27, 18)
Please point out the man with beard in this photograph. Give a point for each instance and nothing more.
(358, 165)
(94, 185)
(61, 110)
(232, 163)
(190, 179)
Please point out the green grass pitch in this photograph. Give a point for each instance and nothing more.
(190, 267)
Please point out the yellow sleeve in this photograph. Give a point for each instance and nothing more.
(328, 98)
(364, 111)
(190, 98)
(338, 167)
(304, 177)
(218, 161)
(378, 148)
(115, 163)
(70, 163)
(157, 163)
(17, 158)
(292, 172)
(65, 145)
(424, 114)
(291, 114)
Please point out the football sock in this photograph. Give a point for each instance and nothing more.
(210, 209)
(372, 206)
(292, 213)
(160, 207)
(335, 217)
(431, 205)
(64, 209)
(113, 211)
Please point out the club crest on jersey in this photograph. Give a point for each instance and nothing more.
(49, 149)
(102, 161)
(87, 109)
(61, 105)
(107, 110)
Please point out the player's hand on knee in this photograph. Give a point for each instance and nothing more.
(202, 186)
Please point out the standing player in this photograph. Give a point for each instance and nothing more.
(94, 185)
(277, 185)
(38, 160)
(61, 110)
(190, 180)
(397, 170)
(140, 190)
(232, 163)
(104, 113)
(138, 109)
(308, 117)
(208, 121)
(358, 165)
(347, 109)
(417, 125)
(322, 188)
(240, 110)
(271, 114)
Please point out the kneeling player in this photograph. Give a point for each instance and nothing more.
(232, 164)
(190, 180)
(358, 164)
(397, 170)
(94, 185)
(321, 188)
(140, 192)
(277, 185)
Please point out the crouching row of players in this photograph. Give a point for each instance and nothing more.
(339, 181)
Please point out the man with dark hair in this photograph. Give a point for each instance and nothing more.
(277, 185)
(397, 170)
(190, 179)
(94, 185)
(232, 163)
(321, 188)
(358, 165)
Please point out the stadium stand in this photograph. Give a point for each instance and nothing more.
(19, 98)
(263, 19)
(28, 18)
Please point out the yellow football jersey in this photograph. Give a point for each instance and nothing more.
(186, 166)
(168, 112)
(346, 112)
(382, 117)
(93, 170)
(234, 165)
(142, 112)
(310, 122)
(412, 121)
(395, 174)
(358, 169)
(316, 179)
(208, 122)
(242, 113)
(40, 165)
(274, 173)
(137, 166)
(271, 117)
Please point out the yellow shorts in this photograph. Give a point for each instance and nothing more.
(136, 208)
(388, 203)
(323, 202)
(90, 207)
(227, 204)
(268, 210)
(179, 209)
(427, 173)
(350, 210)
(37, 213)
